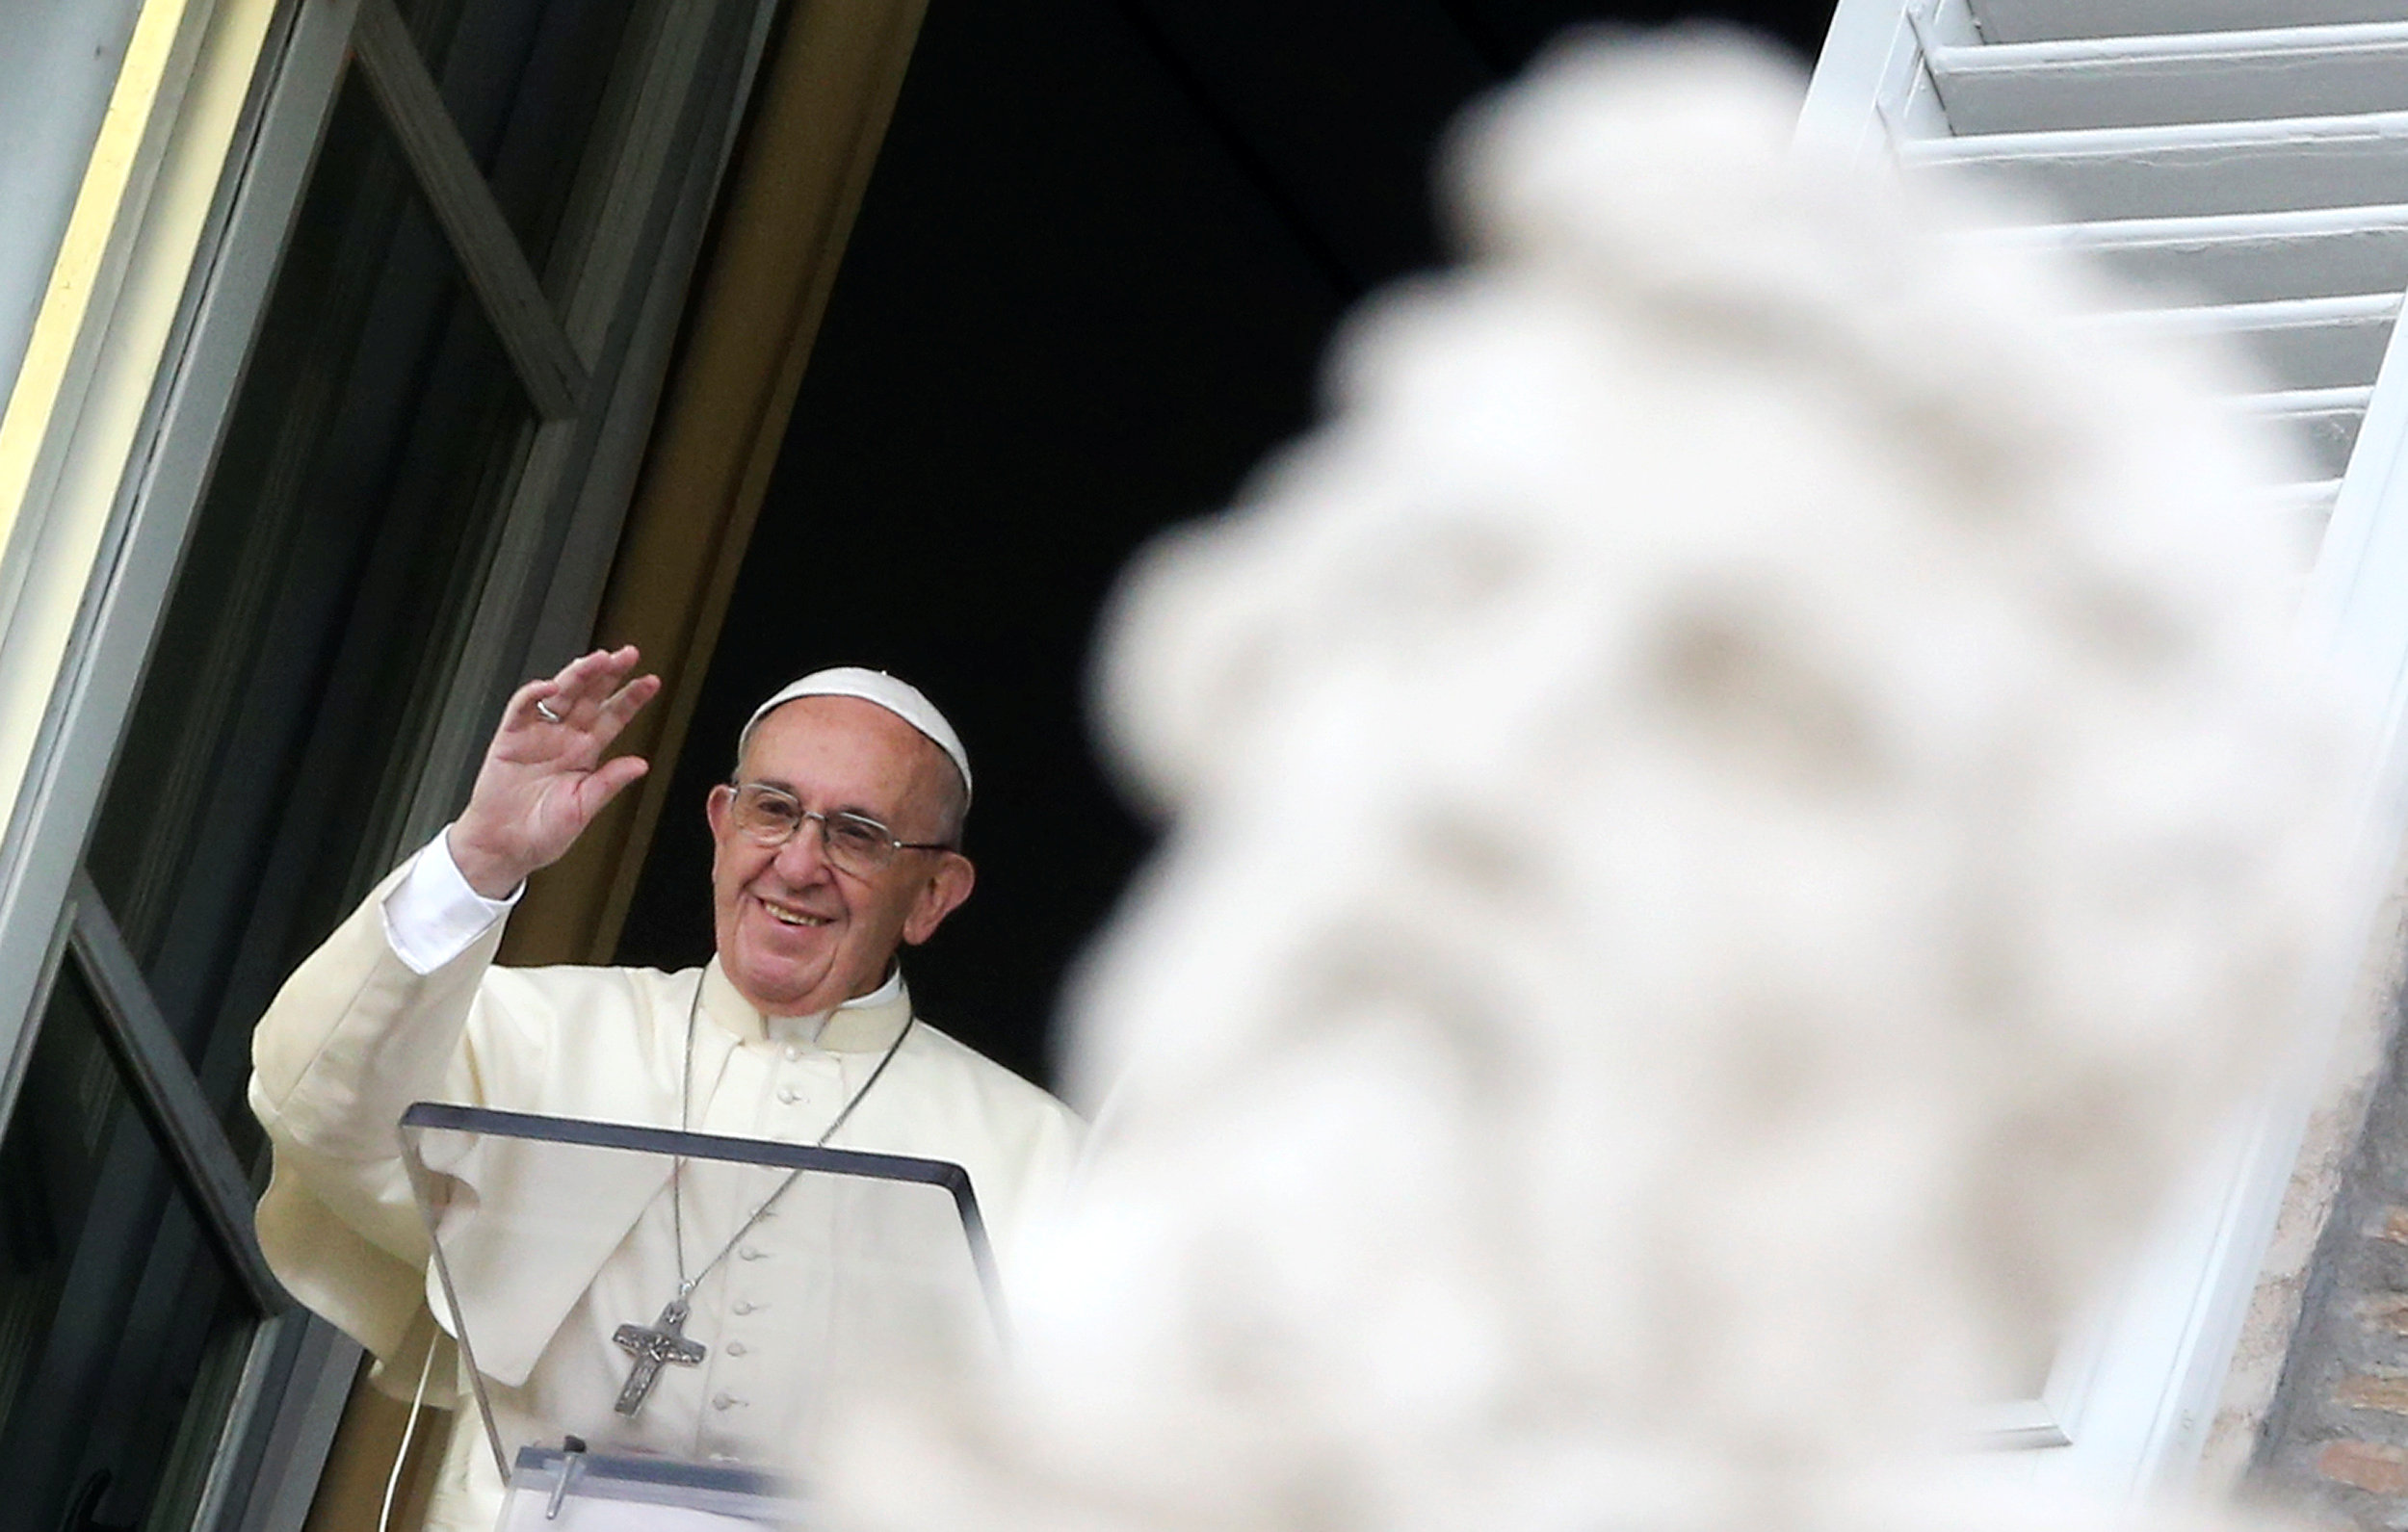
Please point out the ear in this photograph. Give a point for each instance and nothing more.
(947, 884)
(715, 809)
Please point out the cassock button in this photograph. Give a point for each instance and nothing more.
(742, 1307)
(794, 1050)
(735, 1348)
(788, 1094)
(747, 1252)
(721, 1401)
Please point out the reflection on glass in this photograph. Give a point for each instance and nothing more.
(123, 1336)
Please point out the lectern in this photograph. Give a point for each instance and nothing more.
(658, 1327)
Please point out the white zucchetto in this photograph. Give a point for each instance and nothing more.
(900, 698)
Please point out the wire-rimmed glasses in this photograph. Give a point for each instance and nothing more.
(852, 842)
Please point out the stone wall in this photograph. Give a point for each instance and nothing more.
(2354, 1065)
(2335, 1433)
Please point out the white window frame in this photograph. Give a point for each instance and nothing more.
(2129, 1402)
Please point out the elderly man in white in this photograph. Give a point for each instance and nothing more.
(837, 843)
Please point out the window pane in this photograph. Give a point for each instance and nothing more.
(537, 88)
(374, 446)
(329, 577)
(123, 1336)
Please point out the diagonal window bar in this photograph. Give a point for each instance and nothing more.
(548, 366)
(166, 1093)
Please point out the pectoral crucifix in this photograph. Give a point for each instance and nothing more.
(660, 1341)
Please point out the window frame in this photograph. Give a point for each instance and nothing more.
(2131, 1402)
(113, 433)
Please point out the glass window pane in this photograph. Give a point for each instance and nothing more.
(328, 582)
(122, 1334)
(539, 90)
(335, 562)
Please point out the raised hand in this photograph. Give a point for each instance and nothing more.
(543, 778)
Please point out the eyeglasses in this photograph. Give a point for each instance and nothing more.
(851, 842)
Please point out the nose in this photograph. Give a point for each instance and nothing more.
(804, 858)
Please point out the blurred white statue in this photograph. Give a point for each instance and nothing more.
(1733, 814)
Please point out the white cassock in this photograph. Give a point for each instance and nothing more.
(363, 1029)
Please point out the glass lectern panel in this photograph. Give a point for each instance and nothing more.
(658, 1328)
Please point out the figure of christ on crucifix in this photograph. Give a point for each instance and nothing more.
(660, 1341)
(838, 842)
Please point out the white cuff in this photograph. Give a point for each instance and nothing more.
(432, 916)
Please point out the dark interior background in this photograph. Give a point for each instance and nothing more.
(1103, 245)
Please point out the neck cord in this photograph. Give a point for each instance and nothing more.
(684, 1108)
(409, 1431)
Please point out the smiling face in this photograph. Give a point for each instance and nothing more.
(796, 936)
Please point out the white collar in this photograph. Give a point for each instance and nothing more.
(885, 994)
(862, 1025)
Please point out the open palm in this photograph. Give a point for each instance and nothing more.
(545, 778)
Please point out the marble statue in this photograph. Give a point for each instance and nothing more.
(1734, 813)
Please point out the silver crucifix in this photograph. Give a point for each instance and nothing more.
(661, 1342)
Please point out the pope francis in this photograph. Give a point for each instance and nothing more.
(836, 843)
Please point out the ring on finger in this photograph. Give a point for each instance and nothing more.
(545, 709)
